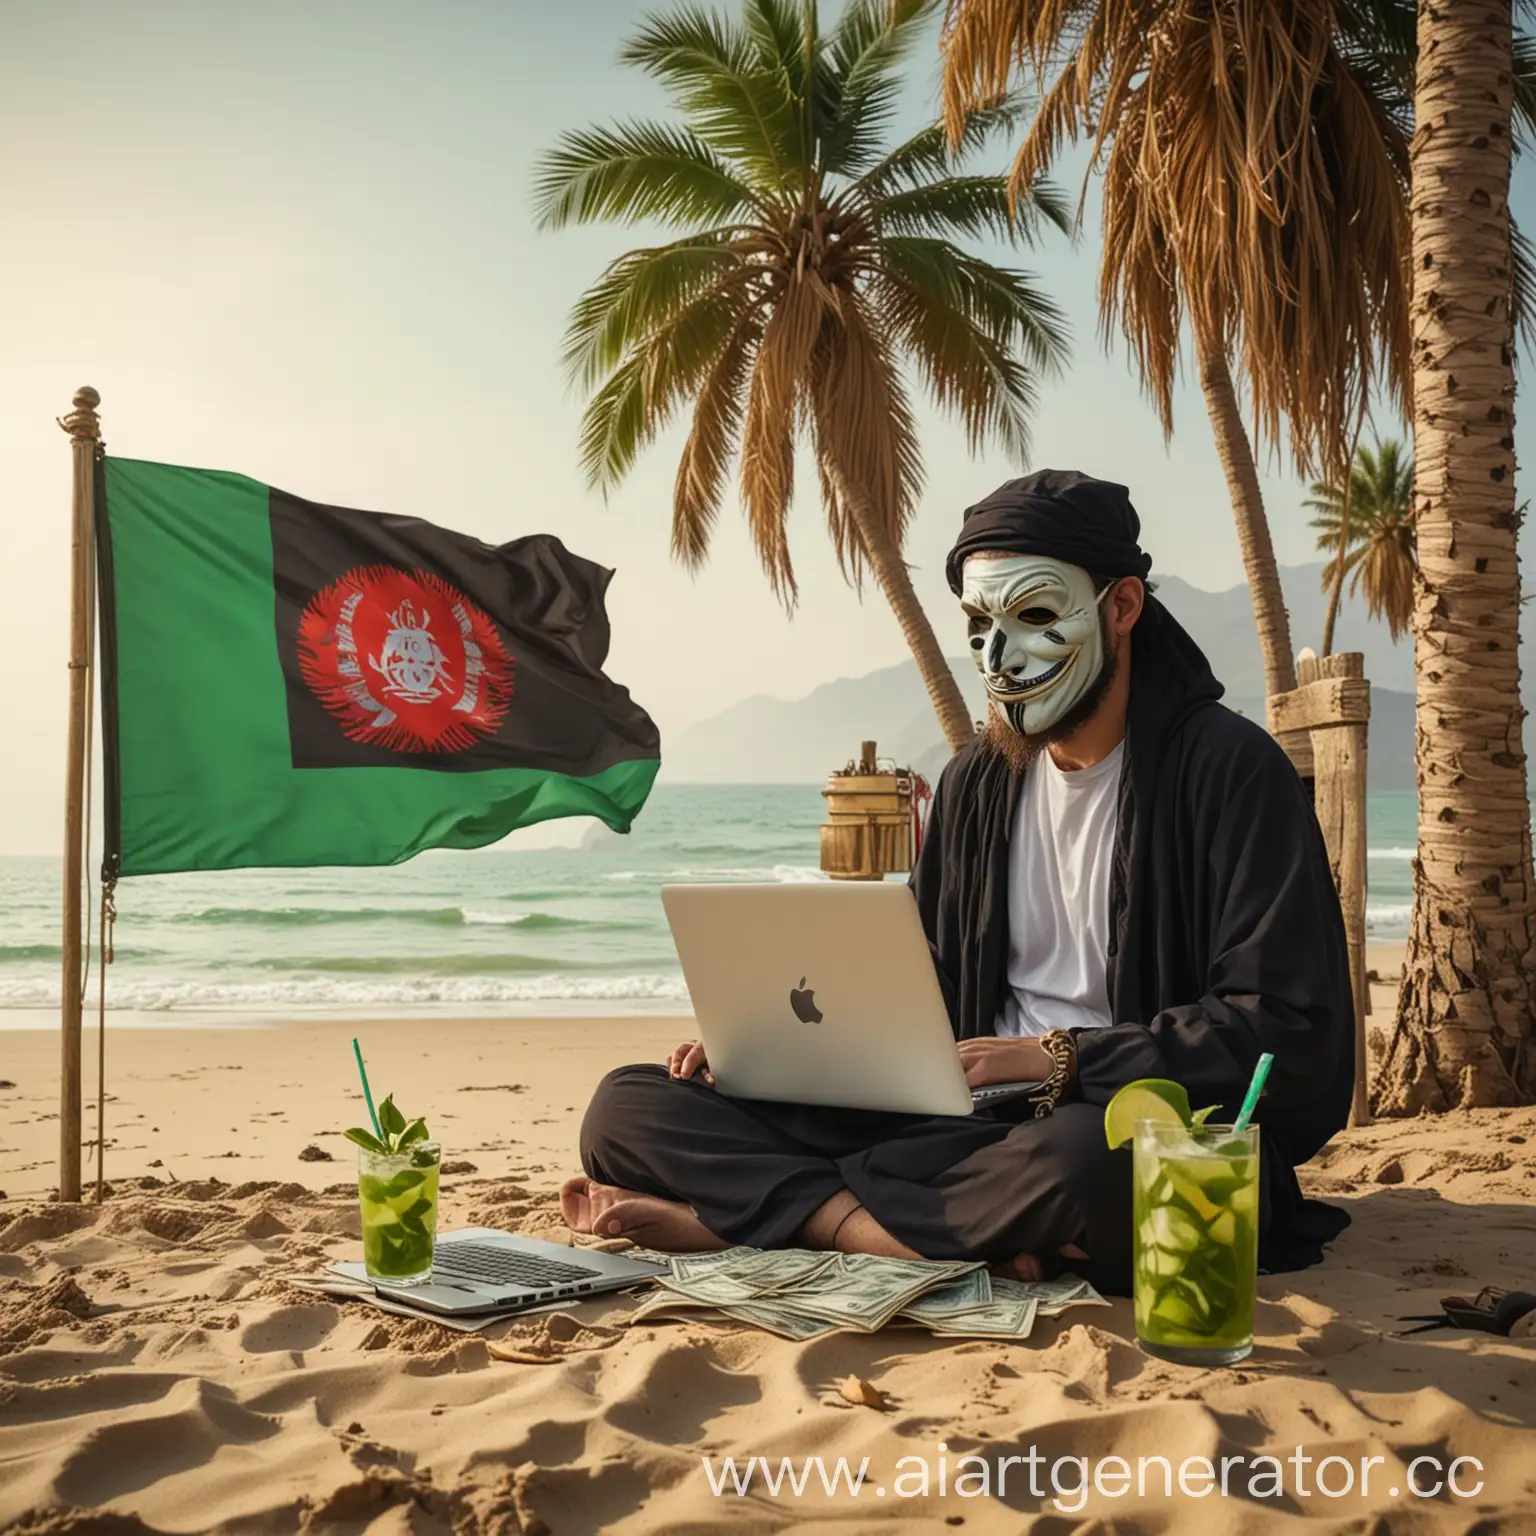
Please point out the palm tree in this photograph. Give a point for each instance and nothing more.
(1379, 556)
(1462, 1034)
(813, 260)
(1219, 129)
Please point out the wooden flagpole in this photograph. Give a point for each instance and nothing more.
(84, 429)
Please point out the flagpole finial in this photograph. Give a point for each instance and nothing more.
(83, 421)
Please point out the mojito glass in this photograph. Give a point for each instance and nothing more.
(1197, 1241)
(398, 1197)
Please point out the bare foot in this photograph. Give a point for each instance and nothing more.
(583, 1200)
(668, 1225)
(606, 1210)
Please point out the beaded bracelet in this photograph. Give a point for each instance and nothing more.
(1059, 1047)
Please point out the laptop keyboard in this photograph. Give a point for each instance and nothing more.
(488, 1264)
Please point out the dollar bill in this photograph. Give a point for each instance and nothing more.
(742, 1273)
(963, 1295)
(800, 1294)
(864, 1292)
(996, 1320)
(1052, 1296)
(782, 1320)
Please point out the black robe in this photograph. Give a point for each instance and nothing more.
(1226, 935)
(1226, 941)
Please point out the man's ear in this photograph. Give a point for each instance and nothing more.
(1124, 604)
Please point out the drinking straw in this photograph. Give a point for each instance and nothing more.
(1251, 1103)
(362, 1072)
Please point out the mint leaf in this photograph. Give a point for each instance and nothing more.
(366, 1140)
(390, 1117)
(1200, 1116)
(414, 1132)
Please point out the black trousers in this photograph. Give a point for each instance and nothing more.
(987, 1187)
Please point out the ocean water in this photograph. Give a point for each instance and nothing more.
(511, 930)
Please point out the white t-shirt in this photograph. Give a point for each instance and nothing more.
(1059, 860)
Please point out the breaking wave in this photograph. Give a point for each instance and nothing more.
(780, 874)
(441, 917)
(336, 992)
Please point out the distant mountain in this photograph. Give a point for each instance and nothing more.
(769, 740)
(766, 740)
(1222, 624)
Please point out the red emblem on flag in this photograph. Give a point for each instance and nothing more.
(404, 660)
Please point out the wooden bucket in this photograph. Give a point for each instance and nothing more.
(869, 830)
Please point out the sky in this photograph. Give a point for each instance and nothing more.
(296, 239)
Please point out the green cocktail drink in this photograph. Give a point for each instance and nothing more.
(1197, 1230)
(398, 1196)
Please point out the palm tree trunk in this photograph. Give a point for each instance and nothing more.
(1236, 454)
(1336, 589)
(891, 572)
(1462, 1033)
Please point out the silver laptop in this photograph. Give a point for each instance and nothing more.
(480, 1269)
(821, 993)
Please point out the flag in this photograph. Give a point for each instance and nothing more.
(289, 683)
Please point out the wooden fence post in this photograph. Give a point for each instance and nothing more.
(1333, 703)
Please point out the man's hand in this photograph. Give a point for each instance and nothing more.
(689, 1058)
(988, 1060)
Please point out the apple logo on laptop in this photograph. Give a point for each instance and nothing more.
(803, 1000)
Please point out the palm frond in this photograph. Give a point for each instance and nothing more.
(768, 436)
(613, 427)
(1382, 554)
(962, 205)
(1378, 41)
(715, 72)
(644, 391)
(970, 205)
(777, 32)
(1525, 89)
(712, 442)
(929, 153)
(1001, 301)
(636, 294)
(677, 46)
(981, 335)
(860, 89)
(1522, 299)
(637, 171)
(784, 42)
(867, 448)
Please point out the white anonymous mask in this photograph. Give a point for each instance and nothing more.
(1035, 634)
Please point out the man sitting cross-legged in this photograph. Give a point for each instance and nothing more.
(1120, 879)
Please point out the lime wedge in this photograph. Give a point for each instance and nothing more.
(1148, 1098)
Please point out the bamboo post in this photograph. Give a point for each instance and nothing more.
(1333, 702)
(84, 429)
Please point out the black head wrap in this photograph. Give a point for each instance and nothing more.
(1060, 514)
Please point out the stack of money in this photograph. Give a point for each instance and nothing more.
(800, 1295)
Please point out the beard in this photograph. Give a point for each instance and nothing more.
(1019, 749)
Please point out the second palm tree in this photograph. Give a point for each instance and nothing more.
(816, 260)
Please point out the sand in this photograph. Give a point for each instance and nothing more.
(158, 1374)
